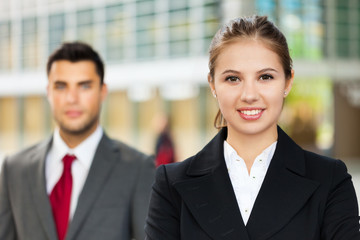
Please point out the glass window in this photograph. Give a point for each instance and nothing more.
(267, 7)
(342, 15)
(342, 42)
(342, 3)
(178, 17)
(145, 40)
(314, 30)
(145, 37)
(145, 29)
(85, 17)
(29, 43)
(301, 22)
(145, 51)
(145, 22)
(115, 32)
(115, 12)
(211, 19)
(358, 25)
(342, 48)
(85, 28)
(179, 48)
(144, 7)
(176, 5)
(5, 46)
(56, 31)
(342, 31)
(179, 33)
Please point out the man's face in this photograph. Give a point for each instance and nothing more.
(75, 95)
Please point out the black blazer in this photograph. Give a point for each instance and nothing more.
(304, 196)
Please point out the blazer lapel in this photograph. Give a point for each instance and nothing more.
(37, 186)
(101, 167)
(284, 191)
(209, 195)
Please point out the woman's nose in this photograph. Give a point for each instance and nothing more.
(249, 92)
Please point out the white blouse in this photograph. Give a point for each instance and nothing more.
(247, 187)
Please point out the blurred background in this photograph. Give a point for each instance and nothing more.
(156, 64)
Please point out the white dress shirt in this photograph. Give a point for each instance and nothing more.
(247, 186)
(80, 167)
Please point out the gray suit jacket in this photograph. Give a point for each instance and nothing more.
(112, 205)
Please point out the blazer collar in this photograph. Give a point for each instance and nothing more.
(207, 160)
(285, 190)
(103, 164)
(209, 195)
(37, 186)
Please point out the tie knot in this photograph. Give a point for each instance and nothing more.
(68, 159)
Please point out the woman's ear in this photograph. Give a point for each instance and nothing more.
(289, 83)
(211, 84)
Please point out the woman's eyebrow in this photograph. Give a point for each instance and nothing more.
(230, 71)
(266, 70)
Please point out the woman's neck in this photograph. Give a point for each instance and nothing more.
(248, 147)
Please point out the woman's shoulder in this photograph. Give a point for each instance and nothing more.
(316, 159)
(324, 167)
(175, 171)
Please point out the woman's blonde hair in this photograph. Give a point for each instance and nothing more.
(254, 27)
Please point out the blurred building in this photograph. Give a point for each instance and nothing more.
(156, 57)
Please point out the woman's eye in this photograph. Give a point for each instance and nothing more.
(266, 77)
(232, 79)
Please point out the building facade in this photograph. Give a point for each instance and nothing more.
(156, 57)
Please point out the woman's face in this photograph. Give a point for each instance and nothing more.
(250, 86)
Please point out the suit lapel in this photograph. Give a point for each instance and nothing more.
(284, 190)
(101, 167)
(37, 186)
(209, 195)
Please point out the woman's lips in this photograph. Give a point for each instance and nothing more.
(251, 113)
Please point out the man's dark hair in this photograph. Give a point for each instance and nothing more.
(75, 52)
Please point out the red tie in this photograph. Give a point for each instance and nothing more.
(60, 198)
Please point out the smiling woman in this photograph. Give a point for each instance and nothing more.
(252, 181)
(250, 91)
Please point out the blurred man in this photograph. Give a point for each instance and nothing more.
(79, 184)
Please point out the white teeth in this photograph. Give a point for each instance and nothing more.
(251, 112)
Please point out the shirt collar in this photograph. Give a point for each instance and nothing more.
(231, 155)
(84, 152)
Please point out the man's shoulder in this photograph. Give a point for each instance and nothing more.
(21, 160)
(29, 151)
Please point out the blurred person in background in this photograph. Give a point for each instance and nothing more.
(252, 181)
(78, 184)
(164, 147)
